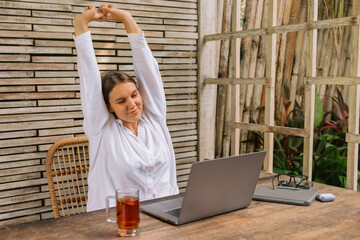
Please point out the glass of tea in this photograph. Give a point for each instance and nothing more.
(127, 211)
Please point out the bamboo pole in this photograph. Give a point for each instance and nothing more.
(300, 84)
(354, 96)
(279, 83)
(227, 120)
(321, 51)
(291, 38)
(279, 22)
(206, 93)
(235, 72)
(260, 72)
(252, 69)
(336, 41)
(270, 89)
(250, 15)
(297, 60)
(321, 38)
(328, 53)
(223, 73)
(334, 68)
(232, 92)
(346, 57)
(344, 43)
(219, 16)
(335, 59)
(310, 91)
(328, 102)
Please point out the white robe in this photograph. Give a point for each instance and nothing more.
(118, 158)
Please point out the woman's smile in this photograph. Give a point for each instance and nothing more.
(134, 112)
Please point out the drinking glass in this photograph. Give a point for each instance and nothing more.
(127, 211)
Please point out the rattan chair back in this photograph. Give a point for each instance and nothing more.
(67, 165)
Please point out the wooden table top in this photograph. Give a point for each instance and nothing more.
(261, 220)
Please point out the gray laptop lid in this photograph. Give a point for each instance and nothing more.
(220, 185)
(214, 187)
(282, 195)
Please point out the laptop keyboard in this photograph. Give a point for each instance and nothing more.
(174, 212)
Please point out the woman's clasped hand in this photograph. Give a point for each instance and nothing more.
(104, 13)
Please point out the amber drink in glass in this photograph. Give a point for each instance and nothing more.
(127, 211)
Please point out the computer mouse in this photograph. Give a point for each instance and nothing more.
(325, 197)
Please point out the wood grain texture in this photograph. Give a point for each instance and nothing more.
(40, 93)
(235, 73)
(270, 89)
(333, 80)
(310, 25)
(354, 96)
(272, 129)
(206, 93)
(309, 106)
(260, 220)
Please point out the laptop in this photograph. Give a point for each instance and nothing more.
(214, 187)
(295, 196)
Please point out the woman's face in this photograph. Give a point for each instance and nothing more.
(125, 100)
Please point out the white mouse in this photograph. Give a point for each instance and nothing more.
(325, 197)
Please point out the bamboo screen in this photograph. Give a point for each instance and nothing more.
(39, 92)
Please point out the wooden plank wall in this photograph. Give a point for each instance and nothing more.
(39, 86)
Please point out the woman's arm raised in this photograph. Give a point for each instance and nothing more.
(82, 20)
(145, 65)
(92, 103)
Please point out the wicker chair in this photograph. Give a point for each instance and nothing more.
(67, 165)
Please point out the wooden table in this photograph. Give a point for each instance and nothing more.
(261, 220)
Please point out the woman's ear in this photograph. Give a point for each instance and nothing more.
(110, 108)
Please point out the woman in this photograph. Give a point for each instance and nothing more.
(130, 144)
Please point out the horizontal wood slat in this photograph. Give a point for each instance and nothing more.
(352, 138)
(321, 24)
(40, 92)
(274, 129)
(68, 171)
(333, 80)
(233, 81)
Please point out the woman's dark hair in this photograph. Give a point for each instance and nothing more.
(110, 79)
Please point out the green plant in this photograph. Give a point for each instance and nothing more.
(329, 160)
(288, 149)
(330, 147)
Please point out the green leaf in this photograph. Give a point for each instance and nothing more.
(319, 111)
(278, 161)
(280, 147)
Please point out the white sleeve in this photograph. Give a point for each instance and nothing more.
(148, 75)
(92, 102)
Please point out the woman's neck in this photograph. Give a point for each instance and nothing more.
(132, 126)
